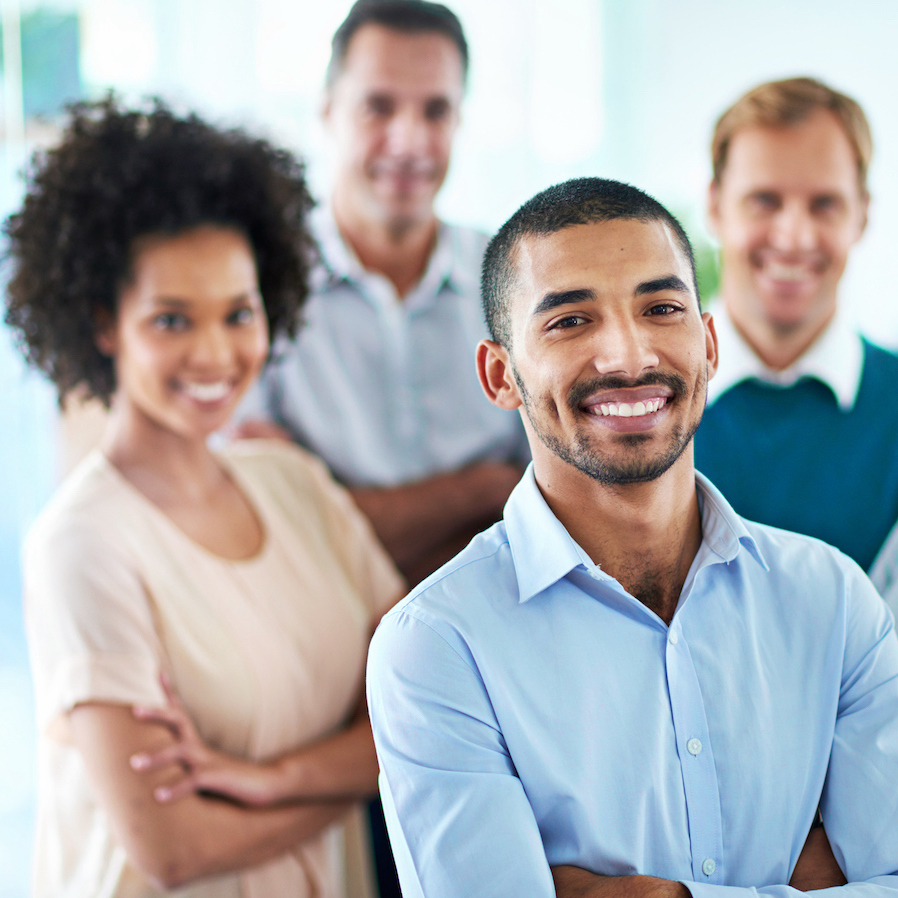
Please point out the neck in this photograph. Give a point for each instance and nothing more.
(645, 535)
(168, 468)
(778, 346)
(398, 250)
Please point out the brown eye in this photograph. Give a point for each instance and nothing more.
(664, 308)
(170, 321)
(436, 110)
(244, 315)
(381, 107)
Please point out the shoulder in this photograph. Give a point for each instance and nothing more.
(877, 359)
(276, 465)
(809, 572)
(469, 594)
(87, 506)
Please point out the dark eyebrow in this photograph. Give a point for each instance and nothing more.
(656, 286)
(175, 303)
(563, 298)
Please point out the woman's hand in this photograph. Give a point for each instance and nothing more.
(204, 769)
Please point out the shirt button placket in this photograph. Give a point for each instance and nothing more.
(696, 759)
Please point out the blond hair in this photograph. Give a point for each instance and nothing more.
(781, 104)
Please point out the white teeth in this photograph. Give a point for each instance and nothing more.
(207, 392)
(781, 272)
(628, 410)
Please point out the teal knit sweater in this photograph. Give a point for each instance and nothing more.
(790, 457)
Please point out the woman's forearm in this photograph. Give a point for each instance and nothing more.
(178, 842)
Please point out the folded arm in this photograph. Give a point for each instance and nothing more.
(337, 767)
(178, 841)
(816, 868)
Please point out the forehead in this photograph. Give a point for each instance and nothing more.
(204, 261)
(380, 59)
(814, 154)
(610, 258)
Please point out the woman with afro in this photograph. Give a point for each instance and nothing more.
(198, 620)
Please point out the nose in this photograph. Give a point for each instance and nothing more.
(793, 229)
(212, 347)
(408, 133)
(623, 347)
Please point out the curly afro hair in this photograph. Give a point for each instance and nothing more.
(121, 174)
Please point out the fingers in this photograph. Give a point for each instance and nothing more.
(179, 753)
(172, 717)
(175, 791)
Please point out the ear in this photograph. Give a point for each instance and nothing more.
(865, 209)
(324, 107)
(710, 343)
(496, 376)
(105, 333)
(713, 207)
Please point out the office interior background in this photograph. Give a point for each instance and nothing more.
(627, 89)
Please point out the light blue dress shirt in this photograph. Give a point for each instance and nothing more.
(529, 712)
(385, 389)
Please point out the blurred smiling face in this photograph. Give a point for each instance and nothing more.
(787, 211)
(392, 113)
(190, 334)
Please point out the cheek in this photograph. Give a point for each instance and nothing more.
(255, 347)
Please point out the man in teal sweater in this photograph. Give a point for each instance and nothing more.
(801, 429)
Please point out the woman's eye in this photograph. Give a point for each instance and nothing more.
(242, 316)
(170, 321)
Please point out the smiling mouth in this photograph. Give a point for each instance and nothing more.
(211, 392)
(779, 271)
(628, 409)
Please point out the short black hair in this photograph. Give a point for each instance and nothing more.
(121, 174)
(575, 202)
(410, 16)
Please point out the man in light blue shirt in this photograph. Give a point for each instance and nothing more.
(623, 688)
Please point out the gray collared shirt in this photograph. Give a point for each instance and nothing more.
(385, 389)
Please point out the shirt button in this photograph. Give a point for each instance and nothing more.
(673, 639)
(694, 746)
(708, 866)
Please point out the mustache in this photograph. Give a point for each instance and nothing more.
(586, 388)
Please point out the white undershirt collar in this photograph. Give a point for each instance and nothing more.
(836, 358)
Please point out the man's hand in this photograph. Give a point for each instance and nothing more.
(574, 882)
(816, 867)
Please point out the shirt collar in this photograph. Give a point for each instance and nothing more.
(544, 552)
(339, 262)
(836, 358)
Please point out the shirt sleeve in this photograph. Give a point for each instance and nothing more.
(89, 624)
(884, 572)
(860, 797)
(459, 819)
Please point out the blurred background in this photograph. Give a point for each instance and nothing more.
(628, 89)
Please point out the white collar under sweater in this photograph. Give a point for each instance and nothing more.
(836, 358)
